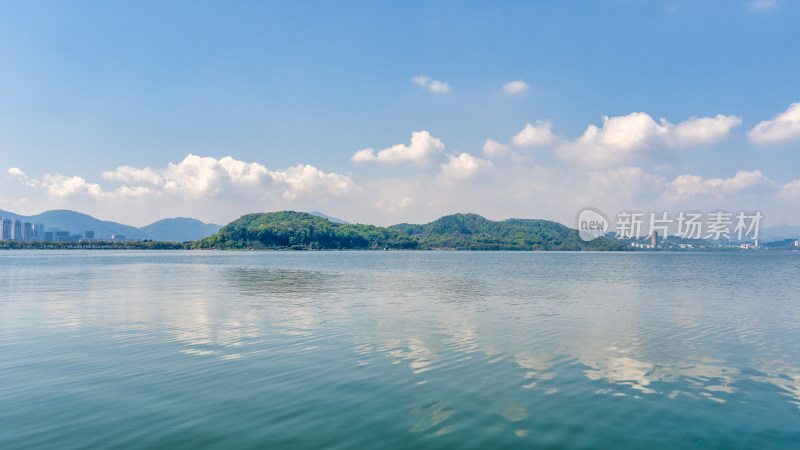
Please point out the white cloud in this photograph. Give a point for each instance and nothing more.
(194, 176)
(20, 176)
(393, 206)
(628, 187)
(439, 87)
(244, 174)
(538, 135)
(515, 87)
(436, 86)
(129, 174)
(686, 186)
(691, 185)
(625, 139)
(700, 130)
(463, 167)
(420, 80)
(16, 172)
(306, 179)
(492, 149)
(423, 149)
(790, 190)
(763, 5)
(784, 127)
(745, 180)
(201, 177)
(626, 182)
(62, 186)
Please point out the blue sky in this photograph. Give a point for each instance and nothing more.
(292, 91)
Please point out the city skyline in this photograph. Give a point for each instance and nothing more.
(19, 230)
(381, 113)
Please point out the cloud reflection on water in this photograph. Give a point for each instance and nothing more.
(441, 317)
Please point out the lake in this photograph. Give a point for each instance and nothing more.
(179, 349)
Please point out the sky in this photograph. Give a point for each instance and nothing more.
(389, 112)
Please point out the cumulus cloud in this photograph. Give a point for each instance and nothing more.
(686, 186)
(745, 180)
(493, 149)
(535, 135)
(700, 130)
(306, 179)
(20, 176)
(198, 177)
(624, 139)
(194, 176)
(515, 87)
(436, 86)
(423, 149)
(784, 127)
(631, 183)
(16, 172)
(463, 167)
(62, 186)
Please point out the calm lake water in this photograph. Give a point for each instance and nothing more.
(398, 349)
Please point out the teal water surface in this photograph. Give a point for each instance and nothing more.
(172, 349)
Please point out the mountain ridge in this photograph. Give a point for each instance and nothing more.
(305, 231)
(178, 229)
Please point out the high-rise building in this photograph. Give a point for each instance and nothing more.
(88, 234)
(654, 238)
(38, 232)
(5, 229)
(16, 230)
(27, 231)
(47, 236)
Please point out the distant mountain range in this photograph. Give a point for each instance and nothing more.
(779, 233)
(178, 229)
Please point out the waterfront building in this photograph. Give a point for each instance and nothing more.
(5, 229)
(27, 232)
(38, 232)
(59, 235)
(16, 230)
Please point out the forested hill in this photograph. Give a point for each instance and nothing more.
(474, 232)
(296, 230)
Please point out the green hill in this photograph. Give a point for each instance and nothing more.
(296, 230)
